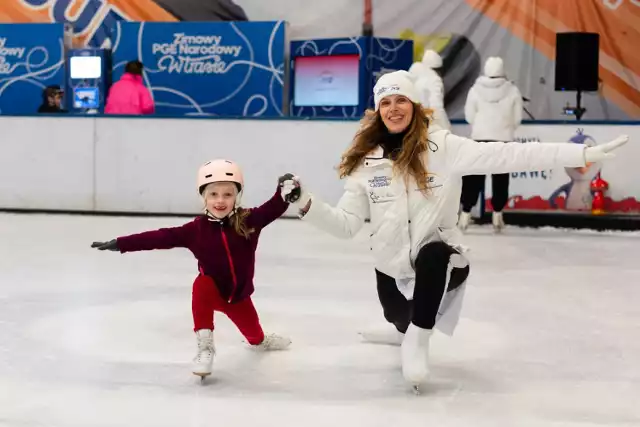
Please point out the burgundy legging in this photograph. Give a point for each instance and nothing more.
(206, 299)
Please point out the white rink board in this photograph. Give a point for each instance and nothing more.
(148, 165)
(622, 172)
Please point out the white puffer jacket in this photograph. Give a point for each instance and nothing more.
(493, 109)
(430, 88)
(403, 219)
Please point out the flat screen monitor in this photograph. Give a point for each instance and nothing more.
(326, 81)
(85, 67)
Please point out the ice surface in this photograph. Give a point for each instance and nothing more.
(549, 336)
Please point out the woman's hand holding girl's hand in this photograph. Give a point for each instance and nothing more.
(292, 191)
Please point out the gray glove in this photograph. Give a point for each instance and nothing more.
(111, 245)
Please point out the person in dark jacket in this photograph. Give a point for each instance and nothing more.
(224, 241)
(52, 100)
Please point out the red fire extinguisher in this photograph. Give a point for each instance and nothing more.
(598, 187)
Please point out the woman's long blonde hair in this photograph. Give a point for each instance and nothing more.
(410, 160)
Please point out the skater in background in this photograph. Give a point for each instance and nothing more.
(430, 87)
(494, 111)
(129, 95)
(224, 241)
(405, 175)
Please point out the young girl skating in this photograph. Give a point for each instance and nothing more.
(224, 241)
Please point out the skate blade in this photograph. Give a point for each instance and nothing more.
(416, 389)
(202, 376)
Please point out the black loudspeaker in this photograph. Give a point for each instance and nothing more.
(577, 56)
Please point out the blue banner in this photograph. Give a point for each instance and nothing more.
(208, 68)
(31, 58)
(385, 56)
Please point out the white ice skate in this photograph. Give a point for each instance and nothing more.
(463, 220)
(388, 336)
(272, 342)
(498, 222)
(415, 356)
(203, 362)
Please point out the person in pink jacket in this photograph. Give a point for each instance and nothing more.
(129, 95)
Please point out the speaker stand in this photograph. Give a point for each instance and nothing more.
(577, 111)
(528, 113)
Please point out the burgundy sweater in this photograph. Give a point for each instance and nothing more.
(227, 257)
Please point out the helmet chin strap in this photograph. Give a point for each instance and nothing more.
(212, 217)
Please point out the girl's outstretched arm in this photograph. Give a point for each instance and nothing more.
(164, 238)
(269, 211)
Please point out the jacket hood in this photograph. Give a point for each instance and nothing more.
(131, 77)
(492, 89)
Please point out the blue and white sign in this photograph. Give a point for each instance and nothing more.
(31, 58)
(86, 97)
(208, 68)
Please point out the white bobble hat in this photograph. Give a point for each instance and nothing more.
(494, 67)
(431, 59)
(417, 70)
(395, 83)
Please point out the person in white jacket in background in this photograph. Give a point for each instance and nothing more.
(405, 175)
(494, 111)
(430, 87)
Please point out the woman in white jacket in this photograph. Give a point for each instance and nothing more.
(430, 87)
(494, 111)
(406, 176)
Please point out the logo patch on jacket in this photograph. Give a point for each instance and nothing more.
(380, 189)
(380, 181)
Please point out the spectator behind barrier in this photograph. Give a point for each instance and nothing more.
(52, 100)
(129, 95)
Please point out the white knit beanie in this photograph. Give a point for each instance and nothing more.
(494, 67)
(417, 70)
(431, 59)
(395, 83)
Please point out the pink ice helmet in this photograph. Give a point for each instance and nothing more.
(219, 170)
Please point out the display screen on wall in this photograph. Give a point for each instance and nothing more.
(85, 67)
(329, 81)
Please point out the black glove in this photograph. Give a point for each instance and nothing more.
(295, 194)
(111, 245)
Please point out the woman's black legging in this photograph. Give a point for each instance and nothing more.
(431, 281)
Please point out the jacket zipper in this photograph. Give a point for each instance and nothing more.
(233, 273)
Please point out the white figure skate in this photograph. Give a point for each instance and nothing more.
(389, 336)
(498, 222)
(415, 356)
(463, 220)
(203, 362)
(272, 342)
